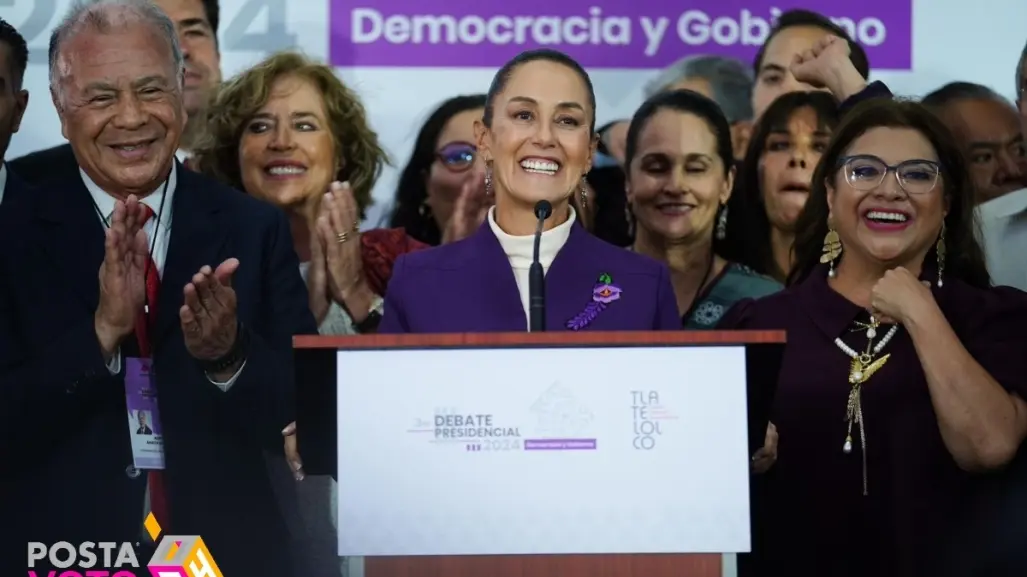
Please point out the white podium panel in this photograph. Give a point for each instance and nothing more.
(543, 451)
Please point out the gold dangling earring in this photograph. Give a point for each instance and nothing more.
(584, 194)
(721, 229)
(488, 181)
(939, 251)
(832, 250)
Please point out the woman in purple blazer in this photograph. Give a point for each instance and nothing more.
(537, 138)
(904, 374)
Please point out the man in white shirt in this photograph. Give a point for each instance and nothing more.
(1004, 235)
(134, 278)
(14, 99)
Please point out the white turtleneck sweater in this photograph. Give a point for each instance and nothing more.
(519, 250)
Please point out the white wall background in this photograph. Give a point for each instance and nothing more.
(978, 41)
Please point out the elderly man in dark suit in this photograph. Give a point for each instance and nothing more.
(196, 22)
(130, 260)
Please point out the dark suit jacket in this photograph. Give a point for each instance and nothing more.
(74, 482)
(469, 286)
(144, 431)
(45, 164)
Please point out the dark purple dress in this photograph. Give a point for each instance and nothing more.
(810, 517)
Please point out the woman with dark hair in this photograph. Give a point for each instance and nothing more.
(774, 180)
(443, 164)
(537, 139)
(904, 371)
(680, 169)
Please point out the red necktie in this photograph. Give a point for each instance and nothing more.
(144, 326)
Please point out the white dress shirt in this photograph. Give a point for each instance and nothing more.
(3, 181)
(157, 236)
(520, 250)
(1004, 236)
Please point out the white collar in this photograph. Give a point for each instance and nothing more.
(105, 202)
(520, 249)
(1006, 205)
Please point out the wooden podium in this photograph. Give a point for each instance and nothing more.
(316, 378)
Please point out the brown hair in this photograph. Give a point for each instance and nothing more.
(239, 99)
(964, 254)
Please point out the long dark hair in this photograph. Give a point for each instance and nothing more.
(409, 211)
(748, 228)
(965, 257)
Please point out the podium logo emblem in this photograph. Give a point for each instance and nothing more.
(179, 555)
(649, 417)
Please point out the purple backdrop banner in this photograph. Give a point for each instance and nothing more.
(599, 34)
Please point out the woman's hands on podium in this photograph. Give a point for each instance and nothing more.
(765, 458)
(292, 454)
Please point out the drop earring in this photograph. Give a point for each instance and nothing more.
(721, 231)
(832, 250)
(939, 252)
(584, 195)
(488, 181)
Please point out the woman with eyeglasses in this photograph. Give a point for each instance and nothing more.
(444, 173)
(904, 373)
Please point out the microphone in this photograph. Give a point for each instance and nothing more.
(536, 275)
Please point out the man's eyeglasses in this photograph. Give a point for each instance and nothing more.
(867, 172)
(457, 156)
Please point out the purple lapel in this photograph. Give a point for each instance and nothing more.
(569, 281)
(498, 282)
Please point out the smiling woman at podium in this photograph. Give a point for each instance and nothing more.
(531, 258)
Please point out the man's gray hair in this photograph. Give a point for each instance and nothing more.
(104, 16)
(730, 81)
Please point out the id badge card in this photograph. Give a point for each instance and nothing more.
(143, 416)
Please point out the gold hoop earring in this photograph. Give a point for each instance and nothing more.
(832, 250)
(939, 252)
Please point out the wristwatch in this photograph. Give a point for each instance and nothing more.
(235, 356)
(373, 318)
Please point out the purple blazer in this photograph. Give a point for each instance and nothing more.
(469, 286)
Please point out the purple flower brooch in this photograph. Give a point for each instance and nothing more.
(603, 293)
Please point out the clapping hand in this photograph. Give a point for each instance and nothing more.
(317, 280)
(338, 230)
(470, 210)
(122, 275)
(208, 317)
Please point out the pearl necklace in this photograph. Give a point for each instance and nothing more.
(863, 367)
